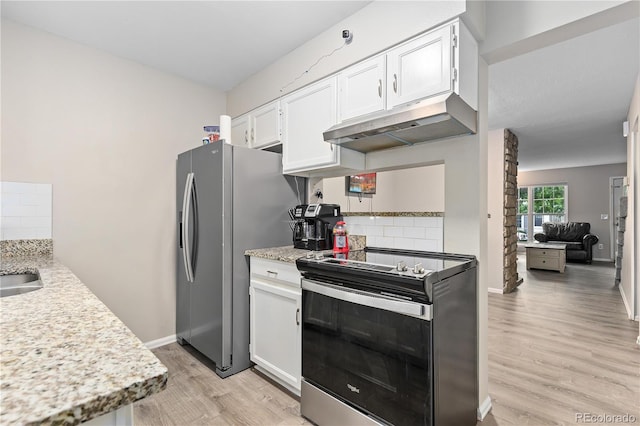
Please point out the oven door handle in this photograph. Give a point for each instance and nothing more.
(414, 309)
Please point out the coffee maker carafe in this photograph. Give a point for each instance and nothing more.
(314, 225)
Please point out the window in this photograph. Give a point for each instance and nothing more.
(537, 205)
(522, 215)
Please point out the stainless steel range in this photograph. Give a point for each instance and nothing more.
(389, 337)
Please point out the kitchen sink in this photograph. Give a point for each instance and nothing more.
(11, 285)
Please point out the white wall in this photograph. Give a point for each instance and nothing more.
(634, 114)
(376, 27)
(105, 132)
(495, 206)
(418, 189)
(588, 197)
(631, 258)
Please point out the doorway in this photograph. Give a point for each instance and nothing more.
(616, 190)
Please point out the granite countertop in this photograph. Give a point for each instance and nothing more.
(289, 254)
(283, 254)
(65, 357)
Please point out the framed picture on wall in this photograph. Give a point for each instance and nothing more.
(361, 184)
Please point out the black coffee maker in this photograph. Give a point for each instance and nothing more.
(313, 229)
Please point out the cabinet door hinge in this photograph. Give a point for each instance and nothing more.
(454, 74)
(454, 40)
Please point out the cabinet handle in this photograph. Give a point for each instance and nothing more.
(272, 272)
(253, 138)
(246, 136)
(380, 88)
(298, 316)
(395, 83)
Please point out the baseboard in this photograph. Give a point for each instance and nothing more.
(484, 408)
(495, 290)
(160, 342)
(626, 303)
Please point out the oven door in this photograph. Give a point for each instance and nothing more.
(369, 351)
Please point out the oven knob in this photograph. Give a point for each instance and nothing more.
(401, 266)
(319, 255)
(310, 255)
(418, 269)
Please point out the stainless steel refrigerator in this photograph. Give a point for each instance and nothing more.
(228, 199)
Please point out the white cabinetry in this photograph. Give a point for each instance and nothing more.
(258, 128)
(241, 130)
(306, 114)
(440, 61)
(421, 67)
(275, 314)
(362, 88)
(265, 122)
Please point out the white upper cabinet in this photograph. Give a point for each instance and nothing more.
(441, 61)
(241, 130)
(306, 114)
(265, 129)
(259, 128)
(362, 88)
(420, 68)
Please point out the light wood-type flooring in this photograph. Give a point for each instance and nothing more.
(195, 395)
(560, 345)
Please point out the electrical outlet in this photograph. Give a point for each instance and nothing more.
(604, 216)
(600, 246)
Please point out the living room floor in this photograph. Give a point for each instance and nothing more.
(560, 346)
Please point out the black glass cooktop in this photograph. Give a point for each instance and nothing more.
(404, 272)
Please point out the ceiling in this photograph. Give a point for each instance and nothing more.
(217, 43)
(566, 102)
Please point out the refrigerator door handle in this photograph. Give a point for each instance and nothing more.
(186, 207)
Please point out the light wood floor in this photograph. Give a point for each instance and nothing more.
(195, 395)
(560, 345)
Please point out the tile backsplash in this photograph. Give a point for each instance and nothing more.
(412, 233)
(25, 210)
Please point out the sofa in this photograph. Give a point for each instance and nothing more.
(575, 235)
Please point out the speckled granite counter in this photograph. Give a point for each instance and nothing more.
(290, 254)
(283, 254)
(65, 357)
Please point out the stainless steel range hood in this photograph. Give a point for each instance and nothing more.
(430, 119)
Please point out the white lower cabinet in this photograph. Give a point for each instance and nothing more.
(275, 331)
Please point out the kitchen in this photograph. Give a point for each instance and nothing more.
(109, 121)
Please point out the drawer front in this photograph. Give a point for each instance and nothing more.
(275, 270)
(546, 253)
(544, 263)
